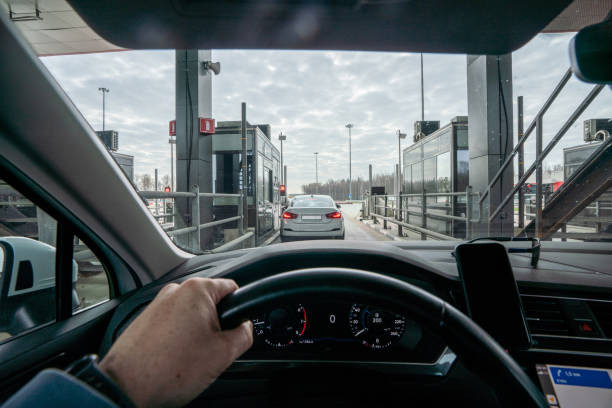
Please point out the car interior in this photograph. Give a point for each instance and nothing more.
(437, 323)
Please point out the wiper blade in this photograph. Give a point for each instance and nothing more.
(534, 250)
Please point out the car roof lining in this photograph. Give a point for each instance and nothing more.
(450, 26)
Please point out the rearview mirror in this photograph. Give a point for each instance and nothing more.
(591, 53)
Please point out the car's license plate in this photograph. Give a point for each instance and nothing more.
(311, 217)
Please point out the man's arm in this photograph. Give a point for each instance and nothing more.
(167, 356)
(175, 348)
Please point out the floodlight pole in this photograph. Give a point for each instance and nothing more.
(422, 92)
(400, 136)
(317, 172)
(104, 92)
(350, 126)
(282, 137)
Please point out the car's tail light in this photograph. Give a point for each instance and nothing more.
(289, 215)
(335, 214)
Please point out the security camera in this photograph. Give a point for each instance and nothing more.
(213, 66)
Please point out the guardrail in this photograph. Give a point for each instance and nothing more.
(397, 208)
(194, 229)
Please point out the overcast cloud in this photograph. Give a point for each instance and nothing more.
(310, 96)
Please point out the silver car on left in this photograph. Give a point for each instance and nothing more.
(312, 217)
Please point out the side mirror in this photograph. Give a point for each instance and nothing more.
(338, 206)
(591, 53)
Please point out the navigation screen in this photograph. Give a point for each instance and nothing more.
(575, 387)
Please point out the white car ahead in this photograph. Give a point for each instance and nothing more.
(312, 217)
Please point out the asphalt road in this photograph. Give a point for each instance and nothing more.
(355, 229)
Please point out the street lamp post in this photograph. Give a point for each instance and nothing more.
(282, 137)
(172, 142)
(350, 126)
(104, 92)
(400, 136)
(317, 172)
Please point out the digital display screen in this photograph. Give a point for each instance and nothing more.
(575, 387)
(340, 331)
(491, 293)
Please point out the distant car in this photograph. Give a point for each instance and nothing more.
(312, 217)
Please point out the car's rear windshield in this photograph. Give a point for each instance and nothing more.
(312, 202)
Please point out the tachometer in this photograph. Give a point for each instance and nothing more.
(281, 326)
(374, 327)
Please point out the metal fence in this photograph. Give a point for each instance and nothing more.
(426, 207)
(193, 230)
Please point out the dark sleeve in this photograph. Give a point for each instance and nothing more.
(55, 388)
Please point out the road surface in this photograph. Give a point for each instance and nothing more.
(355, 229)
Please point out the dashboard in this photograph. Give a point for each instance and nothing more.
(328, 330)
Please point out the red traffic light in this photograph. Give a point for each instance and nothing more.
(282, 189)
(167, 189)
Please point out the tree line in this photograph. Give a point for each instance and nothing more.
(339, 189)
(146, 182)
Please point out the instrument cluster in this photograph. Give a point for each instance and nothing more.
(340, 331)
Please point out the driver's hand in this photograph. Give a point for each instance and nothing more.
(176, 348)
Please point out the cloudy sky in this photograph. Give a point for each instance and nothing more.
(310, 96)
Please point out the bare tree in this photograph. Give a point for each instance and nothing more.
(165, 181)
(144, 182)
(339, 189)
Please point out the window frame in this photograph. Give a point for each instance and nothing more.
(121, 278)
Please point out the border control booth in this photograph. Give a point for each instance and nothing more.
(438, 163)
(263, 177)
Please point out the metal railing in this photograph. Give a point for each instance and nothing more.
(194, 229)
(541, 154)
(396, 209)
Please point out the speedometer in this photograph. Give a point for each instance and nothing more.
(374, 327)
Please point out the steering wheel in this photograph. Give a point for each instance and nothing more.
(476, 349)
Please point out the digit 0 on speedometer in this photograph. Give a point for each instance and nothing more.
(374, 327)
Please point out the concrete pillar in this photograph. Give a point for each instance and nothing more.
(490, 136)
(193, 151)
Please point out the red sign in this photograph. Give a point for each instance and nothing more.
(172, 128)
(207, 126)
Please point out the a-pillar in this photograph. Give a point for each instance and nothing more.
(193, 150)
(489, 89)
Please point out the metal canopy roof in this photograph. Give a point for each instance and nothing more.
(52, 27)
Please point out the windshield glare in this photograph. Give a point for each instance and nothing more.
(357, 128)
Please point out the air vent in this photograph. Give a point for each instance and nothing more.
(603, 314)
(545, 316)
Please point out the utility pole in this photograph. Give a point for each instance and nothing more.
(156, 200)
(282, 137)
(104, 92)
(422, 92)
(400, 136)
(172, 142)
(317, 172)
(350, 197)
(243, 139)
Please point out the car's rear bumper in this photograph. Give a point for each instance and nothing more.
(311, 234)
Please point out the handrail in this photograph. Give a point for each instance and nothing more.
(577, 112)
(532, 125)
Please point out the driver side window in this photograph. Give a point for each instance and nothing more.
(28, 238)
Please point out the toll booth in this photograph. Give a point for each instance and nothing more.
(438, 163)
(263, 176)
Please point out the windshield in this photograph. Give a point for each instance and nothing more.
(312, 202)
(411, 146)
